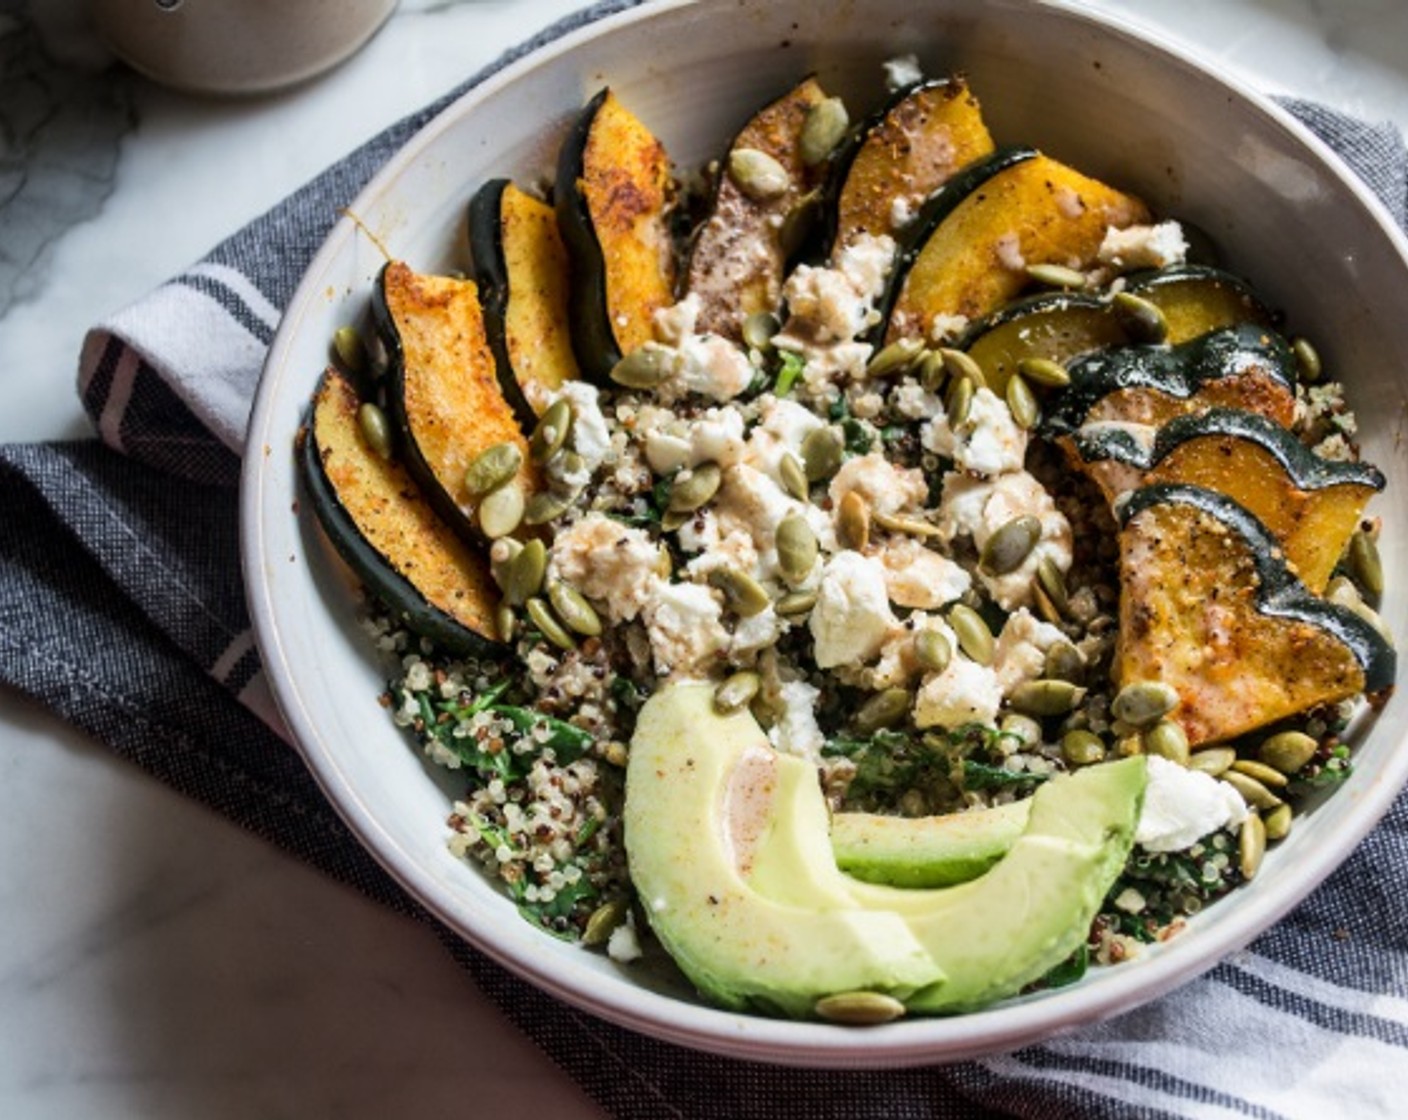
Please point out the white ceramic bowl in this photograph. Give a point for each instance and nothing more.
(1085, 89)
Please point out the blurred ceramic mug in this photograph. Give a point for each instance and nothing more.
(236, 46)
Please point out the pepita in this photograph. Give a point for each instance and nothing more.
(1268, 776)
(1053, 583)
(1364, 564)
(894, 359)
(961, 364)
(1287, 751)
(960, 401)
(795, 603)
(550, 436)
(1044, 372)
(1308, 363)
(693, 489)
(501, 556)
(1212, 760)
(932, 650)
(664, 562)
(375, 429)
(645, 368)
(974, 637)
(1142, 320)
(501, 511)
(822, 452)
(1045, 697)
(759, 328)
(853, 521)
(540, 614)
(1253, 792)
(757, 174)
(931, 371)
(1022, 728)
(1082, 748)
(1251, 845)
(1278, 822)
(525, 573)
(822, 128)
(796, 548)
(1167, 739)
(884, 709)
(347, 345)
(574, 610)
(504, 622)
(1143, 703)
(1044, 606)
(743, 595)
(859, 1009)
(1064, 663)
(672, 519)
(545, 506)
(603, 921)
(911, 526)
(794, 476)
(737, 691)
(1056, 275)
(491, 468)
(1022, 403)
(1011, 544)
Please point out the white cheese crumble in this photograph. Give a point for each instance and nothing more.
(590, 438)
(965, 692)
(706, 364)
(796, 731)
(852, 615)
(917, 576)
(1020, 652)
(1008, 250)
(610, 563)
(685, 625)
(1144, 246)
(623, 946)
(988, 442)
(901, 71)
(1181, 806)
(885, 487)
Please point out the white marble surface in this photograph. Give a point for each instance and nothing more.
(154, 960)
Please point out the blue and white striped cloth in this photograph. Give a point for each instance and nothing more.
(121, 609)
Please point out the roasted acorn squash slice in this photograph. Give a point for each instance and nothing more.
(1310, 505)
(385, 530)
(520, 265)
(443, 396)
(899, 157)
(1196, 299)
(613, 201)
(1036, 211)
(740, 253)
(1208, 606)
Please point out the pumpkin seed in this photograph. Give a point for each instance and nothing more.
(974, 637)
(1044, 606)
(822, 128)
(550, 436)
(794, 476)
(664, 562)
(501, 556)
(932, 650)
(1046, 697)
(1364, 564)
(1081, 748)
(546, 622)
(1022, 403)
(1020, 727)
(1278, 822)
(960, 364)
(822, 452)
(574, 610)
(504, 622)
(895, 358)
(859, 1009)
(525, 573)
(1251, 845)
(1143, 703)
(884, 709)
(603, 921)
(1253, 792)
(800, 222)
(1010, 545)
(491, 468)
(672, 519)
(1308, 364)
(645, 368)
(1127, 746)
(931, 371)
(1064, 663)
(692, 489)
(796, 548)
(1142, 320)
(1053, 583)
(1044, 372)
(1212, 760)
(853, 521)
(737, 691)
(375, 429)
(1056, 275)
(795, 602)
(347, 345)
(1268, 776)
(1168, 740)
(960, 401)
(909, 525)
(1287, 751)
(757, 174)
(545, 506)
(759, 328)
(501, 511)
(743, 595)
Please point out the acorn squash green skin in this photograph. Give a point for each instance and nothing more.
(1306, 469)
(1279, 593)
(485, 234)
(1176, 370)
(938, 207)
(394, 591)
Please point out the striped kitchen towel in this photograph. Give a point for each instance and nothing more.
(121, 609)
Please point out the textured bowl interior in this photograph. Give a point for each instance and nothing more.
(1093, 94)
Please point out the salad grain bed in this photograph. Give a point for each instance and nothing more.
(948, 470)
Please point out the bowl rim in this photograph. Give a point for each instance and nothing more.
(909, 1042)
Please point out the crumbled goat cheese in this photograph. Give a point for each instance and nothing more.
(755, 633)
(1144, 246)
(945, 327)
(912, 401)
(901, 71)
(608, 562)
(902, 212)
(1181, 806)
(783, 425)
(716, 437)
(917, 576)
(666, 451)
(885, 487)
(1069, 202)
(675, 323)
(965, 692)
(623, 946)
(852, 614)
(1008, 250)
(988, 442)
(590, 438)
(707, 364)
(685, 624)
(796, 731)
(1020, 652)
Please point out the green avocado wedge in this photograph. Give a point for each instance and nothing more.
(925, 851)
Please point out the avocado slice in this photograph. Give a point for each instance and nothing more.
(925, 851)
(707, 798)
